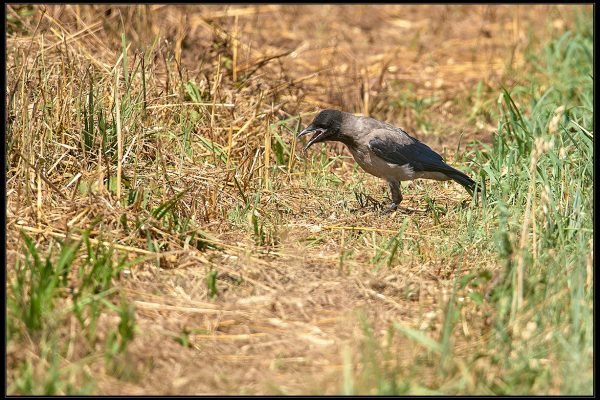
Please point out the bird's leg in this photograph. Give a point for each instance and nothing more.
(396, 195)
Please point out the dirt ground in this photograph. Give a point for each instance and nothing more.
(287, 318)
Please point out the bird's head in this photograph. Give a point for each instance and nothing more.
(326, 127)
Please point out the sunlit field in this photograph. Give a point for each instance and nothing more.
(166, 233)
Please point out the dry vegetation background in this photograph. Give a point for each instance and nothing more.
(252, 267)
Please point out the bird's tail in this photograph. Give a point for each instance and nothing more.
(465, 181)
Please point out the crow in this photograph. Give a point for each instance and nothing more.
(384, 150)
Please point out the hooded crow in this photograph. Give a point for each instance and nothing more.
(383, 150)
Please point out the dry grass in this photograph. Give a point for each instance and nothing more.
(203, 108)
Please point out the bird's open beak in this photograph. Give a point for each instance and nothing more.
(319, 133)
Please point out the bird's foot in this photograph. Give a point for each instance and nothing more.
(391, 208)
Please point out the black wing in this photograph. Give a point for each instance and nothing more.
(416, 154)
(420, 157)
